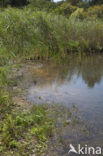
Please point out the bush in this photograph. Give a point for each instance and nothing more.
(94, 12)
(65, 9)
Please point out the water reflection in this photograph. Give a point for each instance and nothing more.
(68, 82)
(78, 82)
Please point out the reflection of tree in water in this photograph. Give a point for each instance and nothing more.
(91, 69)
(91, 76)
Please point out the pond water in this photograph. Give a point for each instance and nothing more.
(77, 82)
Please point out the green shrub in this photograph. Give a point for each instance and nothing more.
(65, 9)
(94, 12)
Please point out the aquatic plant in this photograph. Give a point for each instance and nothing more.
(42, 35)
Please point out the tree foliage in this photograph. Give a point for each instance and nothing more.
(15, 3)
(65, 9)
(4, 3)
(94, 2)
(18, 3)
(42, 4)
(73, 2)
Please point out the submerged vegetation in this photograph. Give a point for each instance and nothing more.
(40, 30)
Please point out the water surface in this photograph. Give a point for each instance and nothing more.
(77, 82)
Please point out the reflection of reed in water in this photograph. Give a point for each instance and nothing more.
(89, 67)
